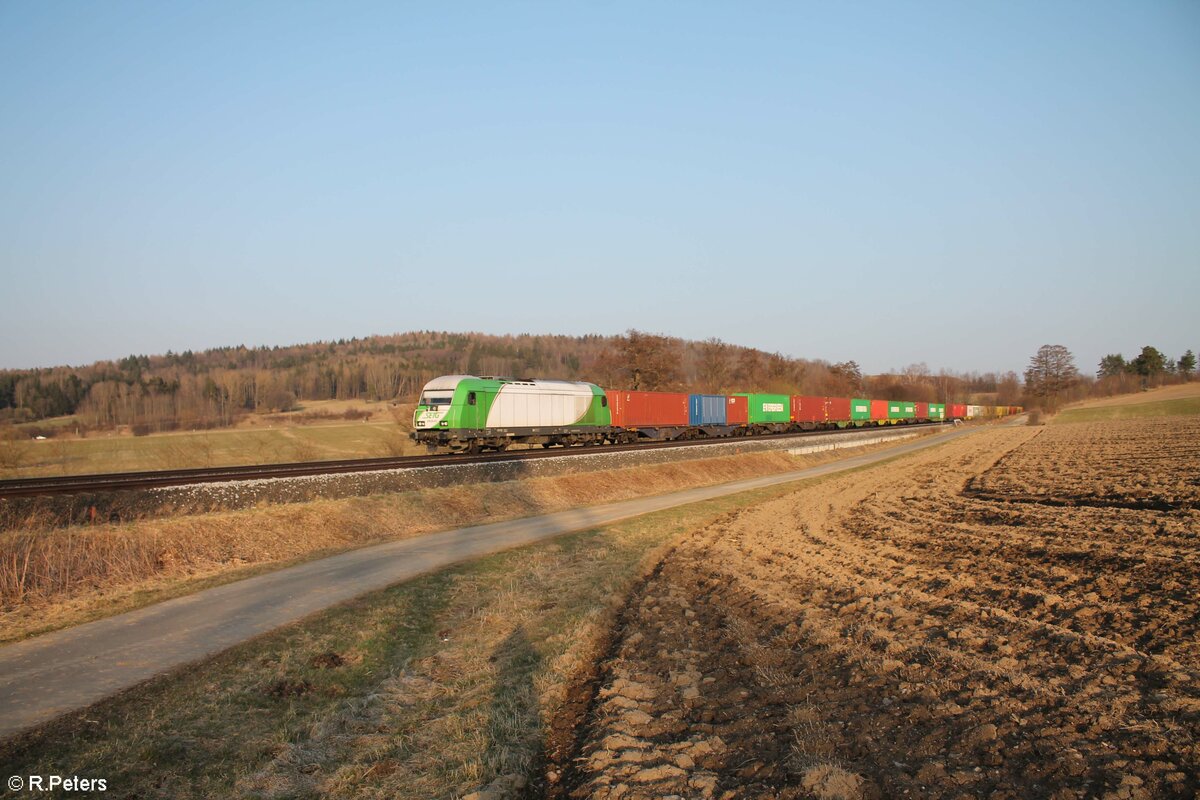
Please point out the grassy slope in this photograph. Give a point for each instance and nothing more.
(260, 442)
(1158, 408)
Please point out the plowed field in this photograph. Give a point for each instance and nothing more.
(1137, 463)
(889, 634)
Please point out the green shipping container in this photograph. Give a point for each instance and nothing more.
(900, 409)
(768, 408)
(860, 409)
(937, 411)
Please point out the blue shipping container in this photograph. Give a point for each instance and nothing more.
(706, 409)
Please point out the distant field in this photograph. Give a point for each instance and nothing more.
(260, 439)
(1166, 401)
(1167, 407)
(1176, 392)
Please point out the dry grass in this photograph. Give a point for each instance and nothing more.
(310, 435)
(55, 578)
(1172, 407)
(1164, 393)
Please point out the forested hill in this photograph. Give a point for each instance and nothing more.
(214, 387)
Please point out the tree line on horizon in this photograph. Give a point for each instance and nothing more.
(216, 387)
(1052, 379)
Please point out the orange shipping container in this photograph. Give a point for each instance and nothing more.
(837, 409)
(808, 409)
(737, 411)
(647, 409)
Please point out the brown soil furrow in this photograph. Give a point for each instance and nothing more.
(1175, 539)
(1081, 600)
(1147, 463)
(839, 575)
(881, 635)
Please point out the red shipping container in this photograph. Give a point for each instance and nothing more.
(647, 409)
(808, 409)
(956, 411)
(922, 410)
(837, 409)
(737, 410)
(879, 409)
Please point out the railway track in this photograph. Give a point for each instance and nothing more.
(126, 481)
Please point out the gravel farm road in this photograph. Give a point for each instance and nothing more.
(53, 674)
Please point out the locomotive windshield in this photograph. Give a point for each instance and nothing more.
(431, 399)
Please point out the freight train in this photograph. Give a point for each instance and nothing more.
(466, 413)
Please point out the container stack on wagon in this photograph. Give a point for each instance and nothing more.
(809, 411)
(706, 410)
(737, 410)
(655, 413)
(769, 412)
(899, 410)
(860, 410)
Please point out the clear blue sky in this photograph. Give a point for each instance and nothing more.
(954, 183)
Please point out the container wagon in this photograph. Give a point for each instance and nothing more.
(707, 411)
(860, 411)
(768, 413)
(837, 411)
(650, 415)
(809, 412)
(737, 410)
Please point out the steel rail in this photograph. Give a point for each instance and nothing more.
(125, 481)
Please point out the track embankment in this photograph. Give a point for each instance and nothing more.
(127, 497)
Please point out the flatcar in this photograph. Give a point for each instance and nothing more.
(468, 413)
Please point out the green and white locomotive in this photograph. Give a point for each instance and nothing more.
(466, 413)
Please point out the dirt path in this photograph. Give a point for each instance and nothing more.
(886, 635)
(49, 675)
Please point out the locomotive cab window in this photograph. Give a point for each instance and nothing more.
(470, 398)
(429, 399)
(604, 402)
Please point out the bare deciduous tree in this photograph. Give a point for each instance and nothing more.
(653, 362)
(849, 377)
(1050, 373)
(713, 367)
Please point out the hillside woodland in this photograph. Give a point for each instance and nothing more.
(215, 388)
